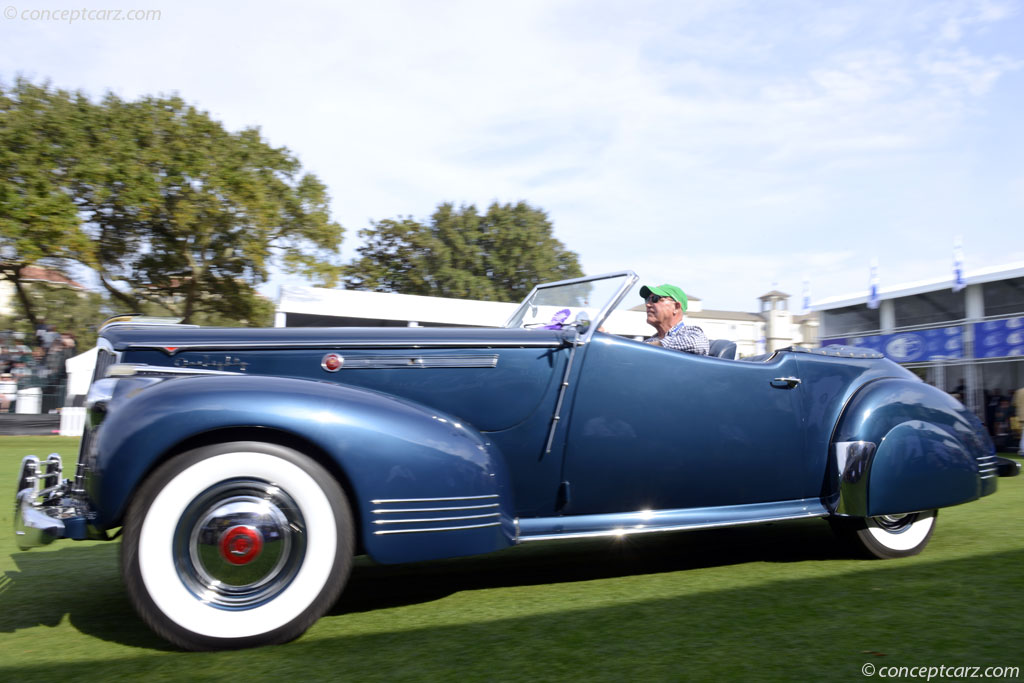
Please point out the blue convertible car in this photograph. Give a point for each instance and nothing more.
(246, 467)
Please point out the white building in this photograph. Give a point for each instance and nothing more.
(969, 342)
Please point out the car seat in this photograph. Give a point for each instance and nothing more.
(722, 348)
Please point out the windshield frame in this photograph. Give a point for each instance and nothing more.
(629, 281)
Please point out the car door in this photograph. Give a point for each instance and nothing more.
(653, 429)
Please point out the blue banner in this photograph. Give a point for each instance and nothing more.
(943, 343)
(999, 338)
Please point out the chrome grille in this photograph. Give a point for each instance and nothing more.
(104, 359)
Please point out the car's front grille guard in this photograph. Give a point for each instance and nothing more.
(104, 359)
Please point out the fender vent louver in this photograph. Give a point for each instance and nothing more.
(422, 515)
(987, 466)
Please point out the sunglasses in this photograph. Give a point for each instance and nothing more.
(655, 298)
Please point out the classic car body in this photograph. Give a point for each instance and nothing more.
(247, 466)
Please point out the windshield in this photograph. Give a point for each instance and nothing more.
(581, 302)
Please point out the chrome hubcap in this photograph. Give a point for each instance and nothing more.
(894, 523)
(239, 543)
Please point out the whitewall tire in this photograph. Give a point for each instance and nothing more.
(236, 545)
(888, 536)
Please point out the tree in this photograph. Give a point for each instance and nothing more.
(174, 213)
(187, 217)
(67, 309)
(255, 311)
(40, 149)
(497, 256)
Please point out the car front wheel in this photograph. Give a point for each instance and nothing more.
(236, 545)
(888, 536)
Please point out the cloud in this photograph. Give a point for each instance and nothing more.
(734, 141)
(956, 19)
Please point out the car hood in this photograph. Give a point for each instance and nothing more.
(493, 378)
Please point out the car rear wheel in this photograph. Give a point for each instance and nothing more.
(888, 536)
(236, 545)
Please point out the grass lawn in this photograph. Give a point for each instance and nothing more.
(769, 602)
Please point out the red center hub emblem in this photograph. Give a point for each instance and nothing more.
(241, 544)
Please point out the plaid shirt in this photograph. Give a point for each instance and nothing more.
(688, 338)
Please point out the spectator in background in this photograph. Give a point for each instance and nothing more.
(1001, 424)
(960, 392)
(37, 364)
(8, 392)
(49, 336)
(990, 411)
(62, 348)
(21, 372)
(40, 331)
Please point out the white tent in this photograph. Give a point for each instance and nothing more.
(79, 369)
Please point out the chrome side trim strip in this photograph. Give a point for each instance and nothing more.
(417, 520)
(445, 509)
(260, 346)
(380, 501)
(445, 528)
(397, 362)
(138, 369)
(641, 529)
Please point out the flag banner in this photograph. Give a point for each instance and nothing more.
(958, 266)
(873, 291)
(999, 338)
(943, 343)
(805, 302)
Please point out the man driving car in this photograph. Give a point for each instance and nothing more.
(665, 305)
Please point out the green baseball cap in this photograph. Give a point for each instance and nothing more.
(671, 291)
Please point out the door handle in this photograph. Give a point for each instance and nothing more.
(785, 382)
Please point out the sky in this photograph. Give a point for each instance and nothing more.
(729, 147)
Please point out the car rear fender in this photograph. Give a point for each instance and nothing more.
(902, 446)
(425, 485)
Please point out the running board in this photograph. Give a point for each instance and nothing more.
(650, 521)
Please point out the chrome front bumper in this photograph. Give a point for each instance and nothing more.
(46, 508)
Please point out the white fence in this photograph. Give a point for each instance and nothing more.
(72, 421)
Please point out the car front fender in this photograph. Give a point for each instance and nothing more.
(424, 484)
(904, 446)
